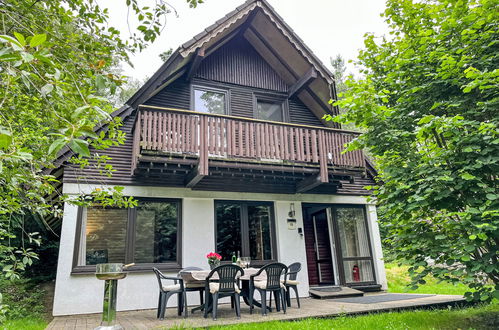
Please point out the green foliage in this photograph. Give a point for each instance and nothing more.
(28, 323)
(481, 317)
(57, 82)
(399, 281)
(428, 107)
(164, 56)
(339, 70)
(21, 298)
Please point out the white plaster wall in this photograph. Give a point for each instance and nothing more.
(379, 268)
(78, 294)
(290, 244)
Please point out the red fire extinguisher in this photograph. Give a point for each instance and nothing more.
(355, 273)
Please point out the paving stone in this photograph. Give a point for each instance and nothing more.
(146, 319)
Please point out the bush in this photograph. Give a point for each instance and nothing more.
(21, 298)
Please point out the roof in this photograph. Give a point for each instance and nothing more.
(271, 37)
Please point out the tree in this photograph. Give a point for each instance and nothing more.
(339, 69)
(164, 56)
(56, 62)
(428, 105)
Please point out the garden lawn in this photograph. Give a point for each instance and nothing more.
(29, 323)
(480, 317)
(398, 280)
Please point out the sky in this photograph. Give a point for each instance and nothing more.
(328, 27)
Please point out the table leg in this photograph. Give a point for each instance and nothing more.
(245, 293)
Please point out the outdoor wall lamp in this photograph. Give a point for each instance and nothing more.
(291, 213)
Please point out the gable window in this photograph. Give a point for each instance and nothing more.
(145, 235)
(271, 109)
(247, 227)
(208, 100)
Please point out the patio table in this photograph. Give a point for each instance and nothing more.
(197, 276)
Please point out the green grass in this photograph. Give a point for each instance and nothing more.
(480, 317)
(29, 323)
(398, 279)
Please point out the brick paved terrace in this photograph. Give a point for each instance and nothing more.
(146, 319)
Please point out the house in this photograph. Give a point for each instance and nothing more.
(226, 151)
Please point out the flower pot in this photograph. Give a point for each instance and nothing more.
(214, 264)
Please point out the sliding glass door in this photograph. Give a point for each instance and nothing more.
(353, 245)
(245, 227)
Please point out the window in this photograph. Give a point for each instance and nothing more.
(247, 227)
(266, 110)
(211, 101)
(104, 236)
(355, 252)
(156, 232)
(145, 235)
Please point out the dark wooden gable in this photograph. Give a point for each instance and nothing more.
(239, 69)
(237, 62)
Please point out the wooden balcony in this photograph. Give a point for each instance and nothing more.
(209, 145)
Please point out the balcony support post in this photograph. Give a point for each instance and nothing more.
(193, 177)
(323, 172)
(137, 129)
(203, 146)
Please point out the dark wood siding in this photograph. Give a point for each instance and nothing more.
(241, 102)
(121, 161)
(254, 76)
(238, 63)
(300, 114)
(176, 95)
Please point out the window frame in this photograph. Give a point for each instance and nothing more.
(271, 99)
(206, 88)
(245, 229)
(130, 241)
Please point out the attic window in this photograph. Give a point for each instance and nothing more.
(269, 108)
(209, 100)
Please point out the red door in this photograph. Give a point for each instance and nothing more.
(318, 248)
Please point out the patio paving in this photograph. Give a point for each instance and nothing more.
(146, 319)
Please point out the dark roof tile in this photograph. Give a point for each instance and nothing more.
(246, 3)
(211, 27)
(188, 44)
(199, 35)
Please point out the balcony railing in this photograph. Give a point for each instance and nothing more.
(218, 136)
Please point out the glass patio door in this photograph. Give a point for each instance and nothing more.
(353, 245)
(245, 227)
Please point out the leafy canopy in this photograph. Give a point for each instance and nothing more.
(428, 106)
(57, 82)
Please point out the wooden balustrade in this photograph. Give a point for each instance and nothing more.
(204, 135)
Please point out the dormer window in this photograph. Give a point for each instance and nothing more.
(208, 100)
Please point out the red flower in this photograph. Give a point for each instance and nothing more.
(213, 256)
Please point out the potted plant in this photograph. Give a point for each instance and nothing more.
(213, 259)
